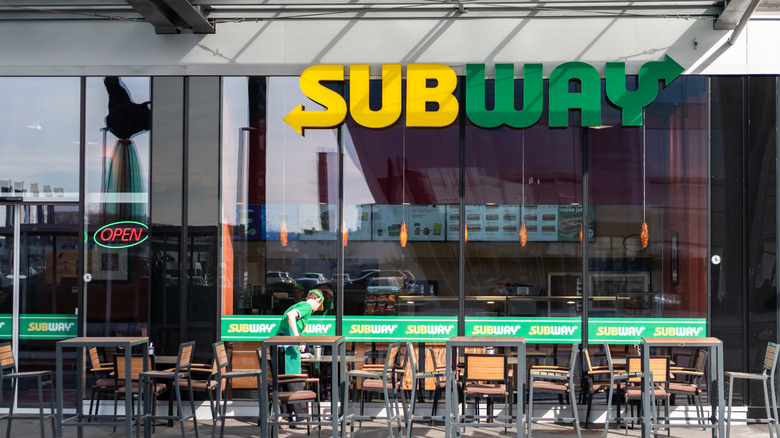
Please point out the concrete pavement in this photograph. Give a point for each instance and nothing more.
(373, 429)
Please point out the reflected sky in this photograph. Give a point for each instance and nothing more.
(39, 133)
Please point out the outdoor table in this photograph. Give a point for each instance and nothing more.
(452, 423)
(338, 347)
(714, 384)
(84, 342)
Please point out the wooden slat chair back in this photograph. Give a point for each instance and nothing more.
(7, 360)
(769, 358)
(486, 367)
(185, 356)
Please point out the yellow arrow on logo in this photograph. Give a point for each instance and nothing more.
(335, 107)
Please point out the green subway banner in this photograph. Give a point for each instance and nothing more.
(6, 326)
(355, 328)
(533, 329)
(632, 330)
(40, 326)
(439, 329)
(401, 328)
(254, 328)
(616, 330)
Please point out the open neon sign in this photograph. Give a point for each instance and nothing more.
(121, 234)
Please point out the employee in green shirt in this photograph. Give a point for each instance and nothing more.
(293, 323)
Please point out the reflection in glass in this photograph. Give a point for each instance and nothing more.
(117, 182)
(396, 176)
(39, 138)
(517, 177)
(654, 174)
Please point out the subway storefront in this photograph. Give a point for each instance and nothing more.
(515, 184)
(583, 203)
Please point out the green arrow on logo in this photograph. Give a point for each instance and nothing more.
(632, 102)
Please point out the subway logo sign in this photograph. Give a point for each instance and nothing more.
(431, 102)
(40, 326)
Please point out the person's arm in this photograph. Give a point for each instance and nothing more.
(292, 317)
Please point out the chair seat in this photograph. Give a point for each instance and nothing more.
(161, 374)
(546, 385)
(603, 387)
(158, 388)
(484, 389)
(241, 373)
(292, 396)
(377, 384)
(636, 392)
(683, 387)
(747, 375)
(27, 374)
(108, 383)
(199, 384)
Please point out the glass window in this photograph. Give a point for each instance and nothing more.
(116, 209)
(279, 212)
(656, 175)
(39, 139)
(523, 215)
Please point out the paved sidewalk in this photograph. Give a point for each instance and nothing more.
(372, 429)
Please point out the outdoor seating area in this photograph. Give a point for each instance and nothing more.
(501, 384)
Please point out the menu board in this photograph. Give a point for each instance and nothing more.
(541, 222)
(316, 221)
(485, 222)
(423, 222)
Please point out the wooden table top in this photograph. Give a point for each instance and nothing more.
(296, 340)
(680, 341)
(324, 358)
(103, 341)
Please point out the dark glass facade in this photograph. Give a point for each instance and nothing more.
(239, 207)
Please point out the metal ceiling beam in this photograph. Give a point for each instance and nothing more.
(735, 12)
(191, 15)
(159, 15)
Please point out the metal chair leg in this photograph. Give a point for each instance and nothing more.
(11, 408)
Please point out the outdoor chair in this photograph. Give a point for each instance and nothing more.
(136, 368)
(659, 375)
(767, 378)
(556, 380)
(309, 396)
(616, 376)
(9, 371)
(224, 379)
(597, 381)
(150, 381)
(387, 381)
(486, 376)
(688, 383)
(102, 379)
(418, 379)
(206, 382)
